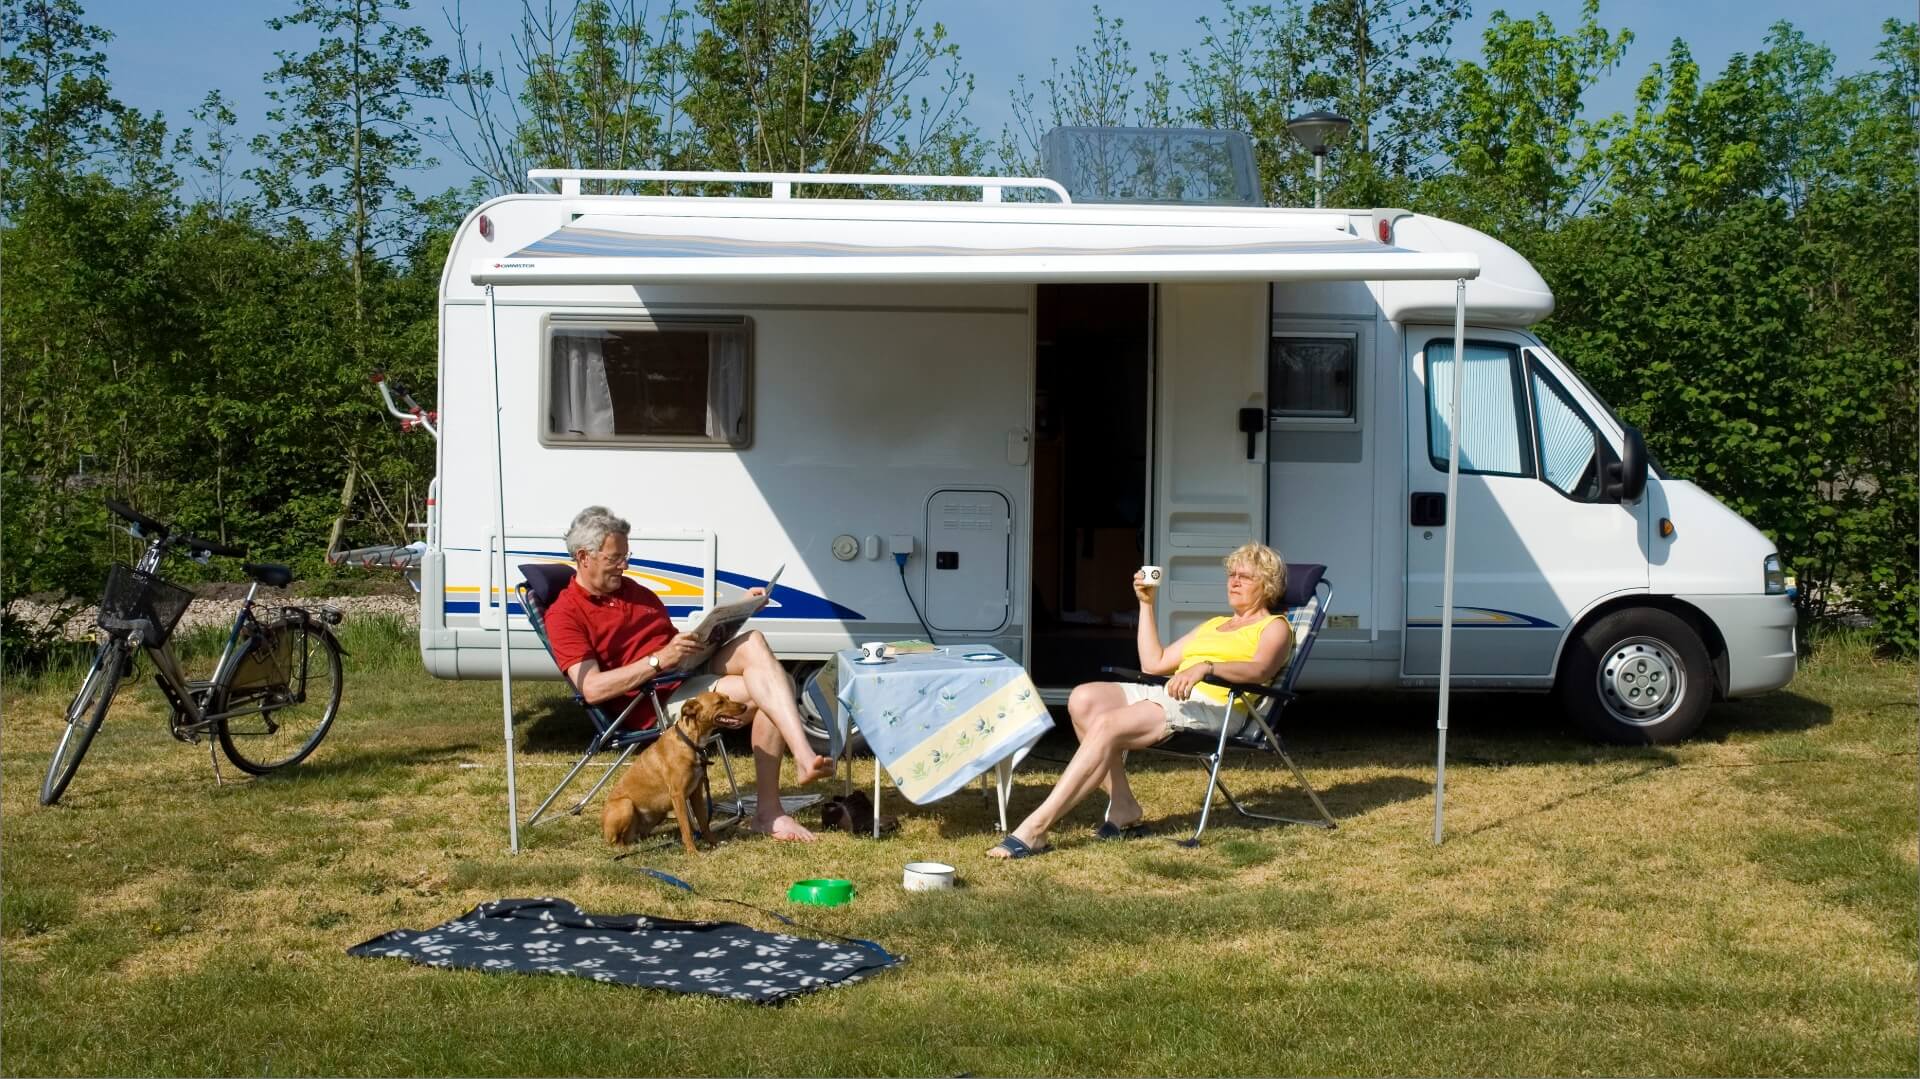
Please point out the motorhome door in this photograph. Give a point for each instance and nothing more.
(1210, 442)
(1537, 545)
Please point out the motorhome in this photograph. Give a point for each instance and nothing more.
(968, 408)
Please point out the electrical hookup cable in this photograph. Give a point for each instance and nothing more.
(900, 561)
(675, 882)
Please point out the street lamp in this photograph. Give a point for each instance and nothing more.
(1314, 131)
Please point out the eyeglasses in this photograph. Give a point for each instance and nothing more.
(1238, 575)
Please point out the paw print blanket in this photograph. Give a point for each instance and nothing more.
(552, 936)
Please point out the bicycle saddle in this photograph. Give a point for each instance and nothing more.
(271, 574)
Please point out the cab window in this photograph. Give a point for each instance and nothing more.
(1493, 428)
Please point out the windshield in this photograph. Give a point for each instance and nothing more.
(1653, 463)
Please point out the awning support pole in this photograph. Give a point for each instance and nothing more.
(500, 529)
(1446, 585)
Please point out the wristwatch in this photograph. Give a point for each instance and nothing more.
(654, 662)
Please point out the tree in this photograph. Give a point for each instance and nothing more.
(1523, 152)
(58, 110)
(1746, 292)
(733, 85)
(346, 133)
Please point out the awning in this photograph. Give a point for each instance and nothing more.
(599, 249)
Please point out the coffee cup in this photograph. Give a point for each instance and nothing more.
(873, 651)
(1150, 576)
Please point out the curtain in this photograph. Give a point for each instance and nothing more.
(581, 398)
(1490, 435)
(727, 386)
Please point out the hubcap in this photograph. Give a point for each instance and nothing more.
(1641, 681)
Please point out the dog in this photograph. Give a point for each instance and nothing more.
(670, 775)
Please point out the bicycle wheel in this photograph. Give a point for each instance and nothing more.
(279, 721)
(84, 715)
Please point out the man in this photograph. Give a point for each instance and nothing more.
(612, 636)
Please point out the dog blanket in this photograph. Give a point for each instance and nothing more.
(552, 936)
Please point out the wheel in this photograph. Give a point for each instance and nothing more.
(1638, 676)
(84, 715)
(280, 695)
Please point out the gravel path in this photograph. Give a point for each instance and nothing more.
(219, 612)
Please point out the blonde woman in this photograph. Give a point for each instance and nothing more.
(1249, 645)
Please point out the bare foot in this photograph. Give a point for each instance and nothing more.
(821, 768)
(783, 828)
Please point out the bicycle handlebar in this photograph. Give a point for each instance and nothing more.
(146, 523)
(154, 529)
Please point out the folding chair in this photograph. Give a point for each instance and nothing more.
(543, 584)
(1305, 606)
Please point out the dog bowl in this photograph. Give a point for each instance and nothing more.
(927, 876)
(821, 893)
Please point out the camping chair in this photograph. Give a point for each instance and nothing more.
(537, 593)
(1305, 605)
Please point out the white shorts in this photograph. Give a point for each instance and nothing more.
(688, 690)
(1193, 714)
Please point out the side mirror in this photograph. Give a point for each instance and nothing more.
(1626, 479)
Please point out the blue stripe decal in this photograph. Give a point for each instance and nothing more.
(786, 602)
(1488, 618)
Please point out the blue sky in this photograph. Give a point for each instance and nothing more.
(167, 56)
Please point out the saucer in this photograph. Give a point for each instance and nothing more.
(983, 657)
(866, 661)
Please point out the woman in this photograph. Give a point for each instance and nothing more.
(1250, 645)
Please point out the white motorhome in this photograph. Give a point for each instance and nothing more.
(974, 420)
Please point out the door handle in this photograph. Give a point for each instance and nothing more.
(1252, 422)
(1429, 509)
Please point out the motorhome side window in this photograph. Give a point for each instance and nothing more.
(1492, 410)
(1311, 377)
(658, 382)
(1568, 444)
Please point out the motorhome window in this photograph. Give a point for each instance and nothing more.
(1567, 441)
(1492, 436)
(1311, 377)
(1653, 463)
(682, 383)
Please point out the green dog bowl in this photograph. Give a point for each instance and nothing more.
(821, 893)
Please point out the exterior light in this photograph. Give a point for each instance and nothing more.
(1315, 131)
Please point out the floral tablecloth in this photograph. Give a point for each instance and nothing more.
(936, 720)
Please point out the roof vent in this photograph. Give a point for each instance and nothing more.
(1186, 166)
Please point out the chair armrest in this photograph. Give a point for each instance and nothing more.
(1249, 687)
(1128, 674)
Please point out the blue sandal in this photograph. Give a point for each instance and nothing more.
(1110, 830)
(1017, 848)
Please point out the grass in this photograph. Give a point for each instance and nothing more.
(1742, 904)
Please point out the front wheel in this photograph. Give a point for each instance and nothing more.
(1638, 676)
(84, 716)
(280, 695)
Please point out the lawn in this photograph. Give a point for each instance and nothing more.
(1743, 904)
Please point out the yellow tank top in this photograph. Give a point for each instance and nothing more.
(1211, 644)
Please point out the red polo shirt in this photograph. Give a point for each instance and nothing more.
(615, 630)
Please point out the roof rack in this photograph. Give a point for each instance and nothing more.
(782, 182)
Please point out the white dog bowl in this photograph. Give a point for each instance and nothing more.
(927, 876)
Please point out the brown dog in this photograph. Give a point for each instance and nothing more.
(670, 775)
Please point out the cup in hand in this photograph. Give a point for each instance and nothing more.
(873, 651)
(1150, 576)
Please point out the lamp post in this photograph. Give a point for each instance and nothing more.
(1314, 131)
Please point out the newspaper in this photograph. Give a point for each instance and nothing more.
(723, 623)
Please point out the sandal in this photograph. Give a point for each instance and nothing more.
(1110, 830)
(1017, 848)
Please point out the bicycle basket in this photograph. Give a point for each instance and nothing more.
(132, 594)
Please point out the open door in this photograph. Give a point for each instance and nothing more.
(1092, 353)
(1210, 443)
